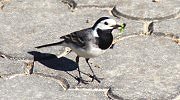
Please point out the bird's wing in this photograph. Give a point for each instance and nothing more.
(78, 38)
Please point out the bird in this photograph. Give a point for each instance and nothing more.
(89, 42)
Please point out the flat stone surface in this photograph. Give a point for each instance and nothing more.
(10, 67)
(133, 27)
(25, 25)
(146, 9)
(36, 88)
(143, 67)
(168, 26)
(95, 2)
(139, 67)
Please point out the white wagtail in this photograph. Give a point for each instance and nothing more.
(90, 42)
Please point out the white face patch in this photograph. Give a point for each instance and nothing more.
(106, 24)
(95, 33)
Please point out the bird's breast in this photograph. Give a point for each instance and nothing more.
(105, 39)
(90, 52)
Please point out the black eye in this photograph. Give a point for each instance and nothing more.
(105, 23)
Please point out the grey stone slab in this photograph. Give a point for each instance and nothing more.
(14, 5)
(10, 67)
(26, 24)
(137, 68)
(168, 26)
(37, 88)
(95, 3)
(65, 67)
(132, 26)
(148, 10)
(143, 67)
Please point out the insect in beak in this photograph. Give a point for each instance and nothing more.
(117, 26)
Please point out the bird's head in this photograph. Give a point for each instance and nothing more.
(105, 23)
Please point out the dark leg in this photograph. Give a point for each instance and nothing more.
(77, 61)
(94, 76)
(80, 80)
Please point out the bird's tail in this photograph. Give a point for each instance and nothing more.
(52, 44)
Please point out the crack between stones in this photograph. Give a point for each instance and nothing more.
(6, 56)
(118, 14)
(120, 38)
(61, 81)
(113, 96)
(107, 92)
(95, 6)
(29, 62)
(25, 59)
(3, 3)
(87, 89)
(170, 36)
(65, 85)
(72, 4)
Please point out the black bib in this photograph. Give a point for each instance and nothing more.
(105, 38)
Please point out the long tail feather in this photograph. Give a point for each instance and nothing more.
(52, 44)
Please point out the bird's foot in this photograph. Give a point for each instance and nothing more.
(94, 77)
(80, 80)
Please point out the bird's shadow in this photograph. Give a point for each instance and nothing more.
(51, 61)
(62, 64)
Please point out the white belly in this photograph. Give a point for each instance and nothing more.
(88, 53)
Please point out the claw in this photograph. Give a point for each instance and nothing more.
(80, 80)
(95, 78)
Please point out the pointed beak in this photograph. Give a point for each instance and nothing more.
(117, 26)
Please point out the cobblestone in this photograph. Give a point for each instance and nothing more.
(145, 66)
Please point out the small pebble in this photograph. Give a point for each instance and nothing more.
(87, 21)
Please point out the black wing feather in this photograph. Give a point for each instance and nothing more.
(78, 38)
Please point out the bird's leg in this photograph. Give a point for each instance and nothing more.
(94, 76)
(79, 79)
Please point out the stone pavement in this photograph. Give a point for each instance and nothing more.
(143, 65)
